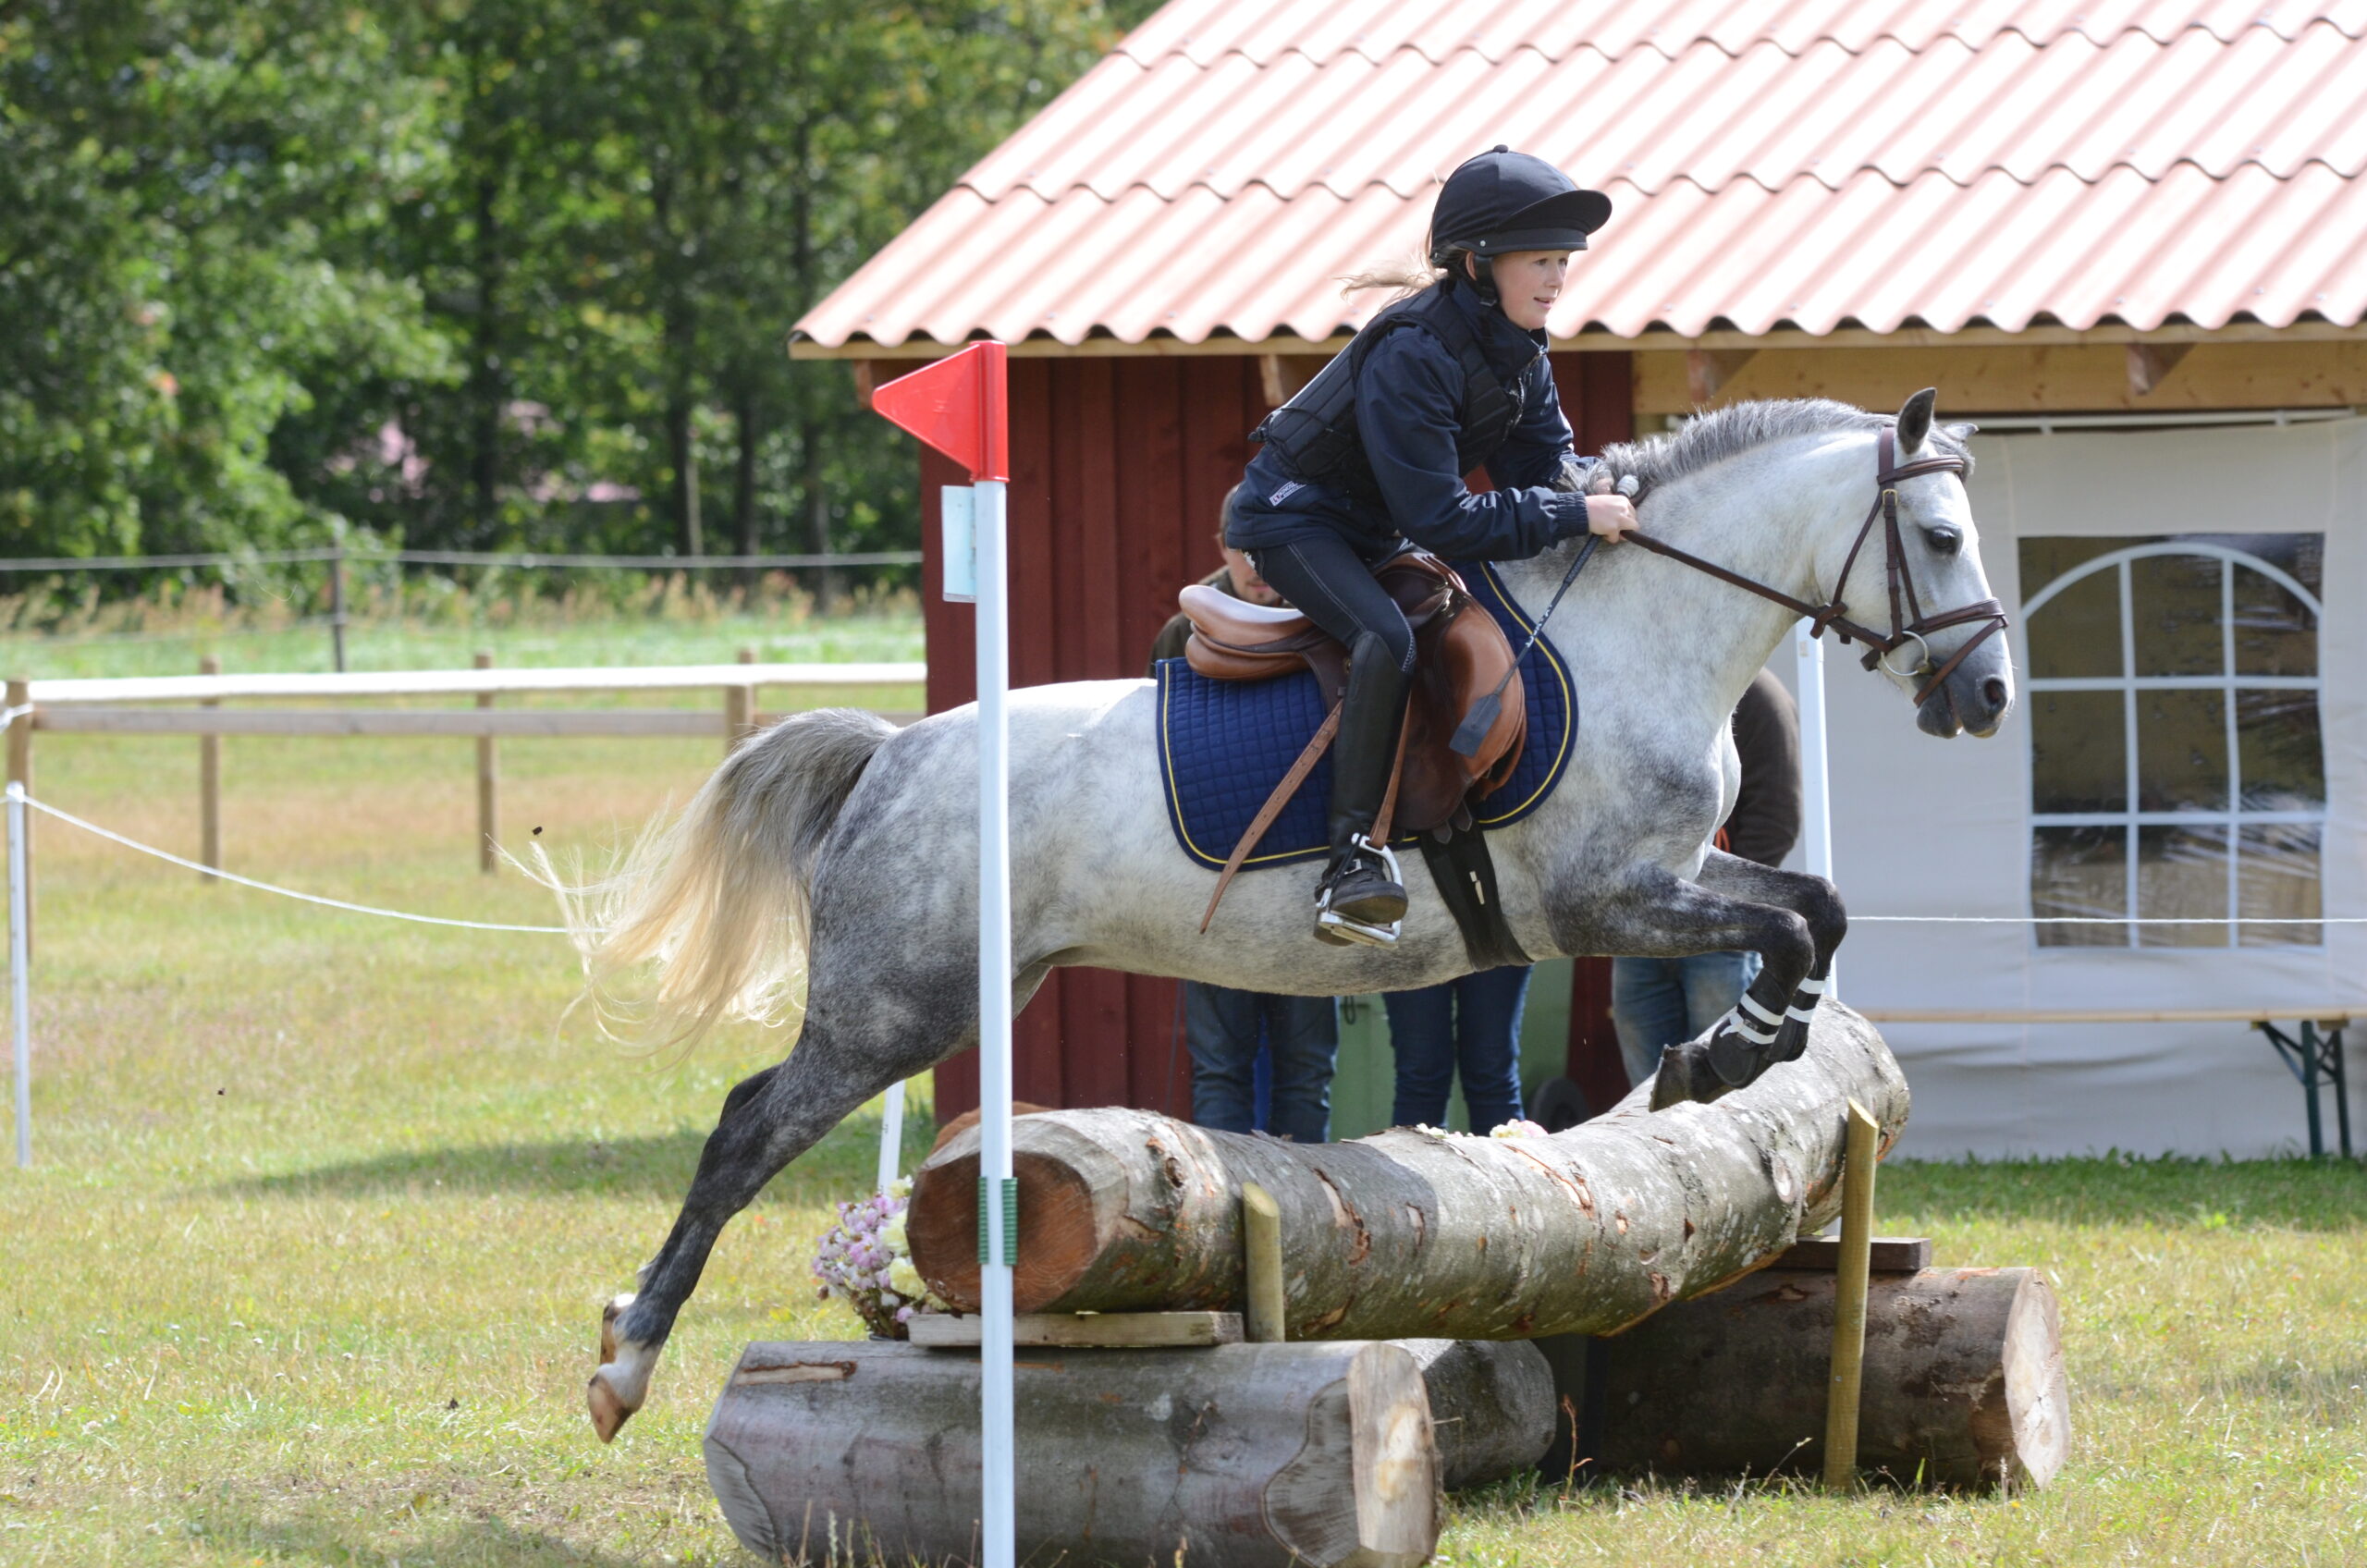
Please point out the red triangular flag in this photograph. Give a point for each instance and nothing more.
(956, 406)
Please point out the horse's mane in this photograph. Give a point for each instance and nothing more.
(1740, 427)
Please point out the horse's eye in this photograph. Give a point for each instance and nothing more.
(1943, 540)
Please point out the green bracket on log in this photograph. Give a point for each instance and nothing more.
(1010, 1219)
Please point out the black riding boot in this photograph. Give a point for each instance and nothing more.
(1360, 898)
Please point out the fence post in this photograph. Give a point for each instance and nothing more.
(209, 784)
(20, 772)
(1845, 1387)
(20, 963)
(488, 786)
(337, 598)
(739, 709)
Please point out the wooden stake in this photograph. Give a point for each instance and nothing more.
(1849, 1301)
(1261, 1238)
(209, 785)
(488, 785)
(20, 771)
(739, 709)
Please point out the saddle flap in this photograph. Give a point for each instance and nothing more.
(1237, 622)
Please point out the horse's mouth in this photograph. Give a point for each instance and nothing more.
(1941, 714)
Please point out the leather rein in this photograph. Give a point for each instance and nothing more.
(1904, 600)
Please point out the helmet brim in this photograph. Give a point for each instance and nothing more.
(1561, 222)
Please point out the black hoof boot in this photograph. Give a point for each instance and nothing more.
(1360, 898)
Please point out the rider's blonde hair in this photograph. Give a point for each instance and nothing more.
(1407, 274)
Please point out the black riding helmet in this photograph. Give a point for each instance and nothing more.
(1504, 200)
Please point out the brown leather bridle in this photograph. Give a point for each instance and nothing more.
(1904, 600)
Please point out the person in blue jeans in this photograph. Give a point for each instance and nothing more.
(1471, 1026)
(1655, 1003)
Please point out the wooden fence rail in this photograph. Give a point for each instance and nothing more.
(95, 707)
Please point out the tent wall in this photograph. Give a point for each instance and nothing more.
(1927, 828)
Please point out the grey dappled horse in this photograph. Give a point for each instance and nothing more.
(838, 850)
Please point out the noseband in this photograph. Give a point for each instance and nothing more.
(1904, 600)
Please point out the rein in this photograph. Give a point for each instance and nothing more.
(1904, 600)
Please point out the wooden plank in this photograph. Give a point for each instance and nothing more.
(1087, 1331)
(473, 682)
(2332, 1015)
(1849, 1301)
(2004, 379)
(1886, 1255)
(382, 721)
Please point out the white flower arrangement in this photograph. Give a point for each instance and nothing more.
(866, 1260)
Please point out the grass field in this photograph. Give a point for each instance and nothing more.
(309, 1269)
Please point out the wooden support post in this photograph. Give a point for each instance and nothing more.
(488, 785)
(20, 771)
(1261, 1240)
(739, 709)
(337, 600)
(209, 785)
(1849, 1301)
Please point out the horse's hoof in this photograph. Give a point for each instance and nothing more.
(1685, 1077)
(616, 1389)
(608, 1412)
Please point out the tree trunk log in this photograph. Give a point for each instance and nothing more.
(1491, 1406)
(1963, 1381)
(1405, 1234)
(1235, 1456)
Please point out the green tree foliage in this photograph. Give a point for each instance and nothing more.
(471, 272)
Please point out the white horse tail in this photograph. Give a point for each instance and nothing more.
(718, 899)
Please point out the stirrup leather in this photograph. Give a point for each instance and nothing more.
(1335, 928)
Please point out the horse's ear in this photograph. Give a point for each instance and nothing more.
(1915, 420)
(1962, 431)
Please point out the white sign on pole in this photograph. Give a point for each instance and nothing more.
(958, 526)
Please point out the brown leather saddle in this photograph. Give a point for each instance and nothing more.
(1461, 654)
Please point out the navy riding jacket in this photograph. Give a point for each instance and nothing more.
(1409, 406)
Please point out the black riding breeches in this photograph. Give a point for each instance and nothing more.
(1328, 583)
(1332, 586)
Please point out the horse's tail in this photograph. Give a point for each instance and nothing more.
(718, 899)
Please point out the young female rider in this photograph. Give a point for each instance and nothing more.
(1372, 453)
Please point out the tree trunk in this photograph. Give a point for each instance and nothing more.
(1405, 1234)
(1963, 1381)
(682, 443)
(1491, 1406)
(818, 509)
(1237, 1456)
(743, 477)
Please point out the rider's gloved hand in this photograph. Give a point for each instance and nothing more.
(1610, 517)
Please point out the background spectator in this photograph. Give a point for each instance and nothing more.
(1471, 1026)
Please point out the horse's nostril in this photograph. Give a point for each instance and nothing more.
(1993, 692)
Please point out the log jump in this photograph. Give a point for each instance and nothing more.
(1406, 1234)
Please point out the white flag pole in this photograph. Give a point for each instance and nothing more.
(997, 1434)
(1816, 777)
(21, 971)
(891, 1136)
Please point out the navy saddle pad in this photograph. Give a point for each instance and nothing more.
(1224, 744)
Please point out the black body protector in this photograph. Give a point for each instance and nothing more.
(1315, 434)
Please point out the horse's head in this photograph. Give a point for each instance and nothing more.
(1922, 582)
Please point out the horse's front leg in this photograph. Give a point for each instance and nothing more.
(1653, 913)
(1815, 900)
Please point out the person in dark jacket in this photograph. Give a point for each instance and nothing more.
(1657, 1002)
(1370, 454)
(1224, 1027)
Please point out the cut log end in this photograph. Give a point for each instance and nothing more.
(1059, 1239)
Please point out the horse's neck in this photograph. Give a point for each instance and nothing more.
(1770, 516)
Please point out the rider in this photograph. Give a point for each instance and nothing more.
(1372, 452)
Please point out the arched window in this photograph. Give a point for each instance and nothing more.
(2177, 769)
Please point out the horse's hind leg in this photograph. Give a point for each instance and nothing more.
(767, 1121)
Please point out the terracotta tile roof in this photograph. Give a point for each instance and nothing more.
(1813, 165)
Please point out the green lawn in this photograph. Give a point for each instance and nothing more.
(310, 1265)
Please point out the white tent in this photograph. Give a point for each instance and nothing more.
(1924, 827)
